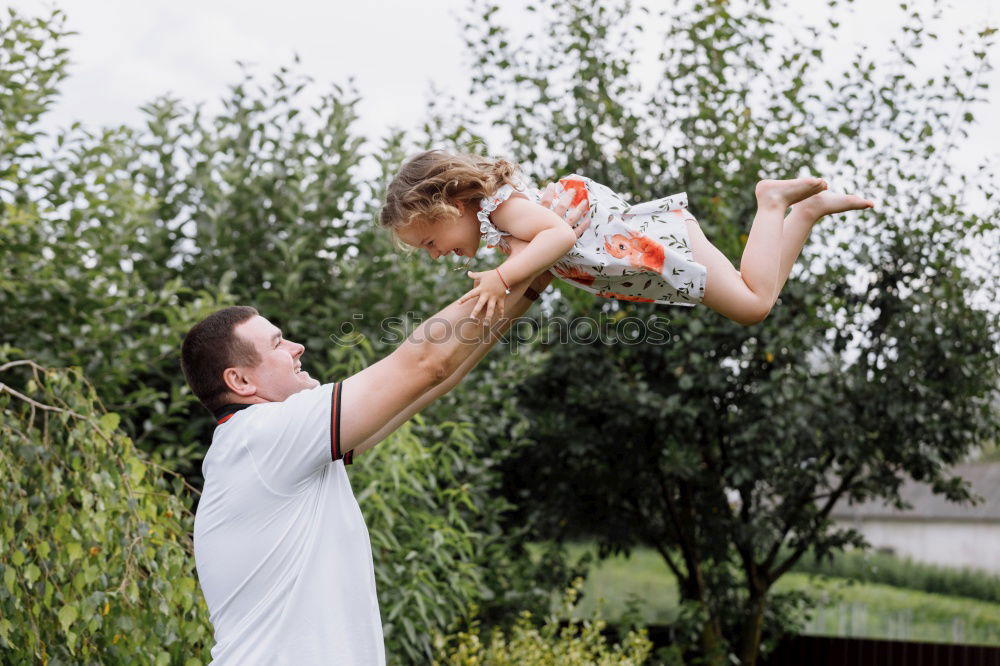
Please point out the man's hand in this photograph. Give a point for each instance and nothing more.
(573, 217)
(561, 208)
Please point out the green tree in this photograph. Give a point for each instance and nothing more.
(727, 447)
(82, 274)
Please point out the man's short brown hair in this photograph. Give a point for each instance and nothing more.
(210, 347)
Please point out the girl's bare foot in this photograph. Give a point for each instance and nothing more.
(784, 193)
(828, 203)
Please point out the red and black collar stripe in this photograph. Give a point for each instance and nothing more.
(226, 412)
(335, 427)
(223, 414)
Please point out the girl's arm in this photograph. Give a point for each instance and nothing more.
(548, 237)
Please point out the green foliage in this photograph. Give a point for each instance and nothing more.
(501, 429)
(727, 447)
(83, 279)
(525, 644)
(425, 515)
(98, 561)
(32, 63)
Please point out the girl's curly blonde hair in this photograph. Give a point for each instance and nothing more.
(429, 185)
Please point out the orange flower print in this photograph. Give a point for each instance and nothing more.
(625, 297)
(641, 251)
(578, 188)
(575, 274)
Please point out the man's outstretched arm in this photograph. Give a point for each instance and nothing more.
(373, 398)
(539, 284)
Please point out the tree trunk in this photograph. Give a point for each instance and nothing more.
(712, 644)
(750, 636)
(710, 641)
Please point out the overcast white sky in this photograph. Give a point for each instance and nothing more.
(127, 51)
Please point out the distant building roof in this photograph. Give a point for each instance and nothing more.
(983, 477)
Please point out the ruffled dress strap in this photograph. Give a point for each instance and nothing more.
(492, 235)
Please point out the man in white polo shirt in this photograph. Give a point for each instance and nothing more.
(281, 548)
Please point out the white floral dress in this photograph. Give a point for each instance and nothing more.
(635, 252)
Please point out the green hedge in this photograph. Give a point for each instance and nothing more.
(874, 567)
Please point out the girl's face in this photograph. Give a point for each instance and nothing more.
(458, 235)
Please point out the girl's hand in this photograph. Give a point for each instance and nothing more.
(490, 291)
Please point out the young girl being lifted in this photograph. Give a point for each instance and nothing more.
(651, 252)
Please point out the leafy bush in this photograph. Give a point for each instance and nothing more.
(84, 278)
(432, 556)
(98, 562)
(555, 642)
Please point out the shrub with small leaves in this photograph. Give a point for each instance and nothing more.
(97, 562)
(431, 559)
(554, 642)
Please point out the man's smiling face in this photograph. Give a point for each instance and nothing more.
(279, 373)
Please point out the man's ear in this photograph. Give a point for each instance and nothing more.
(238, 382)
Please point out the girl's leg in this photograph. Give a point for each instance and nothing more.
(746, 295)
(800, 222)
(725, 288)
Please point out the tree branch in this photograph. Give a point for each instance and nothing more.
(805, 542)
(37, 405)
(796, 511)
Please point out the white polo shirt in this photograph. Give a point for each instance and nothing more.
(282, 550)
